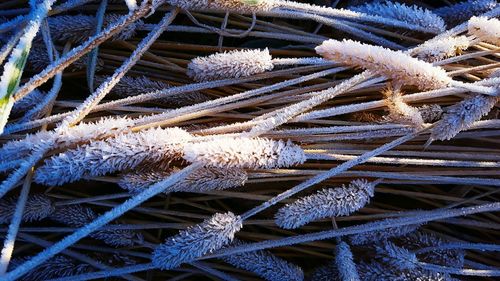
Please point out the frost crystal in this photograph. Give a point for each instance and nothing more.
(79, 216)
(125, 151)
(410, 14)
(326, 203)
(485, 29)
(345, 263)
(204, 179)
(398, 66)
(196, 241)
(265, 265)
(462, 115)
(238, 6)
(251, 153)
(439, 49)
(234, 64)
(38, 207)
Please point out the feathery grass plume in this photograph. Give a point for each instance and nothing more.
(251, 153)
(326, 203)
(412, 14)
(79, 28)
(237, 6)
(203, 179)
(345, 263)
(418, 240)
(79, 216)
(441, 48)
(461, 116)
(401, 112)
(396, 256)
(396, 65)
(38, 60)
(29, 101)
(264, 264)
(485, 29)
(430, 112)
(38, 207)
(463, 11)
(382, 235)
(376, 271)
(17, 149)
(56, 267)
(124, 151)
(133, 86)
(233, 64)
(327, 272)
(196, 241)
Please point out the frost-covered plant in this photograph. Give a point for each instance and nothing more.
(411, 14)
(38, 207)
(79, 216)
(124, 151)
(396, 65)
(382, 235)
(485, 29)
(238, 6)
(203, 179)
(441, 48)
(430, 112)
(462, 115)
(345, 263)
(327, 272)
(251, 153)
(376, 271)
(196, 241)
(396, 256)
(56, 267)
(29, 101)
(265, 264)
(38, 60)
(464, 10)
(326, 203)
(79, 28)
(133, 86)
(401, 112)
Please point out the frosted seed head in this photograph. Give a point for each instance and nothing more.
(436, 50)
(196, 241)
(239, 6)
(234, 64)
(28, 102)
(251, 153)
(381, 235)
(396, 256)
(38, 207)
(345, 263)
(485, 29)
(326, 203)
(399, 111)
(398, 66)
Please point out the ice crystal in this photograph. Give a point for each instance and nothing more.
(233, 64)
(396, 65)
(252, 153)
(196, 241)
(326, 203)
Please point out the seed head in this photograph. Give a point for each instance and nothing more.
(327, 272)
(326, 203)
(196, 241)
(38, 207)
(28, 102)
(439, 49)
(382, 235)
(234, 64)
(399, 111)
(485, 29)
(345, 263)
(396, 256)
(237, 6)
(398, 66)
(251, 153)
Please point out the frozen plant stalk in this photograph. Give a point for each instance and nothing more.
(485, 29)
(238, 6)
(251, 153)
(196, 241)
(396, 65)
(326, 203)
(381, 235)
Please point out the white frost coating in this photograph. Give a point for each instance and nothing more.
(239, 6)
(398, 66)
(436, 50)
(411, 14)
(131, 4)
(252, 153)
(485, 29)
(234, 64)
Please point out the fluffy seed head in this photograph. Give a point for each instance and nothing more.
(462, 115)
(265, 265)
(204, 179)
(411, 14)
(238, 6)
(462, 11)
(125, 151)
(430, 112)
(485, 29)
(38, 207)
(251, 153)
(345, 263)
(439, 49)
(382, 235)
(396, 256)
(398, 66)
(196, 241)
(399, 111)
(233, 64)
(326, 203)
